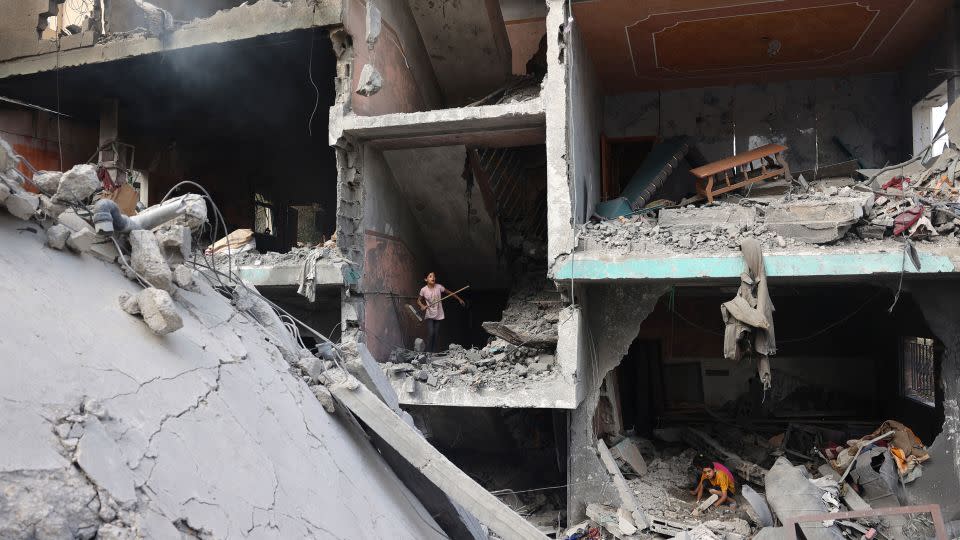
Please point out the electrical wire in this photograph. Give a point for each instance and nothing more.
(316, 90)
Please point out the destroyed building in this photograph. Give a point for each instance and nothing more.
(630, 197)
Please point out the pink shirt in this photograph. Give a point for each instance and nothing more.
(431, 295)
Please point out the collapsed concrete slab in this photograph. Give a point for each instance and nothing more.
(205, 424)
(730, 218)
(815, 222)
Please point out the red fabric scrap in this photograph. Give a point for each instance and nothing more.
(896, 182)
(907, 219)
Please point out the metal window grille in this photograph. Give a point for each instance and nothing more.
(918, 373)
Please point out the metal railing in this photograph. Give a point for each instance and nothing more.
(919, 377)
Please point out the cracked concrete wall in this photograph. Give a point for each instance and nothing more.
(19, 36)
(803, 115)
(560, 236)
(940, 303)
(397, 52)
(395, 257)
(614, 314)
(204, 431)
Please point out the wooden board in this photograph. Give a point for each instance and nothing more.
(715, 167)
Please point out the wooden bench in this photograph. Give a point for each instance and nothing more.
(771, 166)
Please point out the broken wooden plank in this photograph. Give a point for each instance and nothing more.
(510, 335)
(627, 496)
(427, 459)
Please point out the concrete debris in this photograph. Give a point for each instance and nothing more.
(81, 241)
(296, 256)
(71, 220)
(4, 192)
(183, 276)
(158, 311)
(77, 184)
(370, 81)
(627, 451)
(324, 397)
(130, 303)
(109, 531)
(57, 236)
(791, 494)
(175, 243)
(148, 262)
(22, 204)
(8, 158)
(499, 365)
(47, 181)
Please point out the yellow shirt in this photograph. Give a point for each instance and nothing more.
(721, 479)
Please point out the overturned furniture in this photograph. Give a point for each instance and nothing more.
(771, 161)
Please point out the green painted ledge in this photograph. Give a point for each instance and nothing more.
(585, 267)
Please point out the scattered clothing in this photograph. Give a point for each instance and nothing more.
(749, 316)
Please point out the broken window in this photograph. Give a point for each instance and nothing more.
(918, 375)
(71, 17)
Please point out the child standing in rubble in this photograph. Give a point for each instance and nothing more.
(718, 480)
(430, 303)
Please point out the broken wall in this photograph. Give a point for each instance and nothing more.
(19, 34)
(815, 119)
(395, 258)
(385, 36)
(204, 431)
(560, 238)
(614, 314)
(38, 137)
(940, 483)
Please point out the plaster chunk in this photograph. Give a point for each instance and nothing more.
(147, 260)
(81, 241)
(313, 367)
(22, 204)
(78, 184)
(183, 276)
(57, 236)
(72, 221)
(158, 311)
(324, 397)
(130, 303)
(370, 81)
(51, 208)
(174, 241)
(4, 192)
(47, 181)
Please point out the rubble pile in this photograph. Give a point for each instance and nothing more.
(499, 365)
(915, 201)
(297, 255)
(659, 476)
(520, 352)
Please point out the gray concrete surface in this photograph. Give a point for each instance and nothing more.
(205, 427)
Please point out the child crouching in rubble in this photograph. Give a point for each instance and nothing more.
(721, 484)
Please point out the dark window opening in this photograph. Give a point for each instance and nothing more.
(918, 374)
